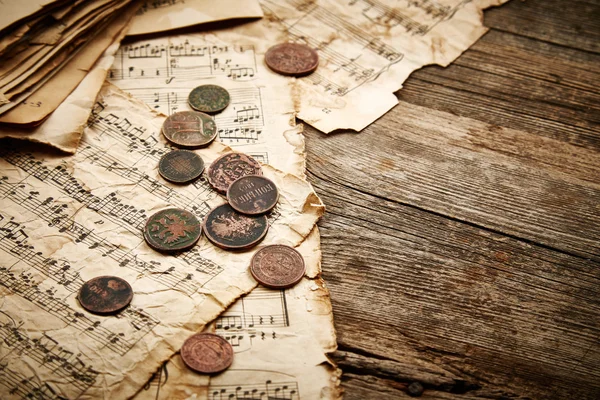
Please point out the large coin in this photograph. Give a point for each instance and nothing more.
(230, 167)
(253, 195)
(292, 59)
(105, 294)
(209, 98)
(180, 166)
(277, 266)
(172, 229)
(207, 353)
(190, 129)
(230, 230)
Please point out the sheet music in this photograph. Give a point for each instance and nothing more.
(259, 120)
(64, 220)
(367, 49)
(280, 339)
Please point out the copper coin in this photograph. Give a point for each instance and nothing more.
(277, 266)
(292, 59)
(207, 353)
(190, 129)
(253, 195)
(230, 230)
(209, 98)
(105, 294)
(230, 167)
(180, 166)
(172, 229)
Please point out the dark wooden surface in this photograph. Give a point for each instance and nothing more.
(461, 242)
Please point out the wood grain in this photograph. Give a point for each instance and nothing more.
(461, 242)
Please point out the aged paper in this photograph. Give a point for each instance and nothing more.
(260, 118)
(165, 15)
(13, 11)
(66, 220)
(281, 339)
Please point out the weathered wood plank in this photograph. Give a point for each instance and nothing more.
(455, 307)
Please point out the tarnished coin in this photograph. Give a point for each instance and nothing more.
(207, 353)
(209, 98)
(292, 59)
(172, 229)
(180, 166)
(230, 167)
(277, 266)
(105, 294)
(230, 230)
(190, 129)
(252, 195)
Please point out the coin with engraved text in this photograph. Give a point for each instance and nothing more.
(209, 98)
(277, 266)
(190, 129)
(230, 167)
(252, 195)
(230, 230)
(292, 59)
(105, 294)
(180, 166)
(207, 353)
(172, 229)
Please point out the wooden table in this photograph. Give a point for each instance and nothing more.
(461, 242)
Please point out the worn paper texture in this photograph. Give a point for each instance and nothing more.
(280, 338)
(165, 15)
(66, 220)
(13, 11)
(259, 121)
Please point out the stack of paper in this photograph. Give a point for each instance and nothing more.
(46, 49)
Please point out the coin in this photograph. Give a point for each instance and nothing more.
(252, 195)
(207, 353)
(105, 294)
(190, 129)
(277, 266)
(172, 229)
(292, 59)
(180, 166)
(209, 98)
(229, 167)
(230, 230)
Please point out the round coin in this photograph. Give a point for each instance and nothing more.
(190, 129)
(172, 229)
(252, 195)
(209, 98)
(230, 167)
(180, 166)
(207, 353)
(277, 266)
(105, 294)
(292, 59)
(230, 230)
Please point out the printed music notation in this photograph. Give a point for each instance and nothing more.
(254, 317)
(268, 390)
(182, 62)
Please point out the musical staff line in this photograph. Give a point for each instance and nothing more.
(256, 391)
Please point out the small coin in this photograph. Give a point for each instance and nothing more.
(105, 294)
(209, 98)
(230, 230)
(207, 353)
(190, 129)
(172, 229)
(277, 266)
(230, 167)
(180, 166)
(252, 195)
(292, 59)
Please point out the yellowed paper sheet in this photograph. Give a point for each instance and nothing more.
(260, 118)
(66, 220)
(280, 338)
(13, 11)
(165, 15)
